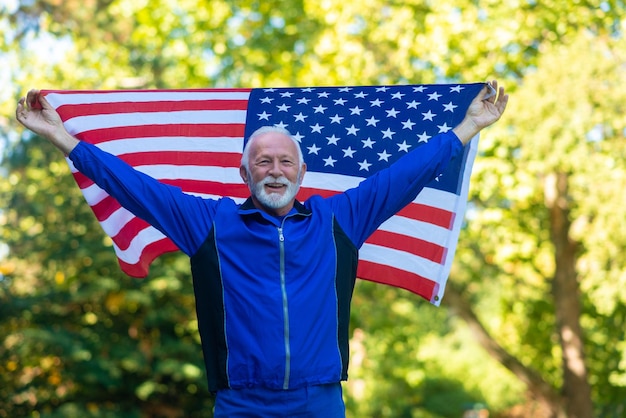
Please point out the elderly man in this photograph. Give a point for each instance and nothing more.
(273, 277)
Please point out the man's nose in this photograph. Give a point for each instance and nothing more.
(275, 169)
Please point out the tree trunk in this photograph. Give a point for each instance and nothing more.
(540, 391)
(576, 390)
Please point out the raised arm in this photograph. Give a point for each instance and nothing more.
(185, 219)
(44, 121)
(482, 112)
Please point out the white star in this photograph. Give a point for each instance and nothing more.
(303, 100)
(392, 113)
(383, 88)
(388, 133)
(345, 89)
(332, 139)
(456, 89)
(397, 95)
(383, 156)
(286, 94)
(298, 137)
(364, 165)
(313, 149)
(323, 94)
(270, 90)
(434, 96)
(443, 128)
(408, 124)
(372, 121)
(367, 143)
(352, 130)
(266, 100)
(348, 152)
(307, 90)
(320, 109)
(412, 105)
(300, 117)
(336, 119)
(340, 102)
(424, 137)
(360, 95)
(429, 116)
(376, 102)
(283, 108)
(356, 110)
(317, 128)
(449, 107)
(264, 116)
(418, 89)
(403, 147)
(329, 161)
(281, 125)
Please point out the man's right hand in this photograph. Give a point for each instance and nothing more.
(36, 114)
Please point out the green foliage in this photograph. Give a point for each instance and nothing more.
(78, 338)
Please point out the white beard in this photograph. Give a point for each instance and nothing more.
(274, 200)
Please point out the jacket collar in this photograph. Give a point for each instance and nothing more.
(248, 208)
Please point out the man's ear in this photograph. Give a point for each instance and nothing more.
(302, 173)
(244, 174)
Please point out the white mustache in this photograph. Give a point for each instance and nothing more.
(279, 180)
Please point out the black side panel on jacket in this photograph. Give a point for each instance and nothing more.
(209, 293)
(347, 260)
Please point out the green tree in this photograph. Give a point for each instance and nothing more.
(548, 219)
(79, 338)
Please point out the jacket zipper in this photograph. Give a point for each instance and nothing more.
(283, 287)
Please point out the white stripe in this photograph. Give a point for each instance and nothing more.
(326, 181)
(57, 99)
(132, 254)
(94, 194)
(437, 199)
(80, 124)
(116, 221)
(165, 143)
(400, 260)
(226, 175)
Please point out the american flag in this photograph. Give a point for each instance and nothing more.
(193, 139)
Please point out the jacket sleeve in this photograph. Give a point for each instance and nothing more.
(361, 210)
(183, 218)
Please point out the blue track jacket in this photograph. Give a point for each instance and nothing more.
(272, 294)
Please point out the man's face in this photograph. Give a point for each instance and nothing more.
(274, 172)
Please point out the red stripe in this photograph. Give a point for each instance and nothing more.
(182, 158)
(82, 180)
(148, 255)
(392, 276)
(70, 111)
(429, 214)
(211, 187)
(410, 244)
(105, 208)
(207, 130)
(143, 91)
(129, 231)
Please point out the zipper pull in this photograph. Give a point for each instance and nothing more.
(281, 237)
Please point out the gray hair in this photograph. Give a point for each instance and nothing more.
(245, 156)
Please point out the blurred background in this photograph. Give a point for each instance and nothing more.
(534, 316)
